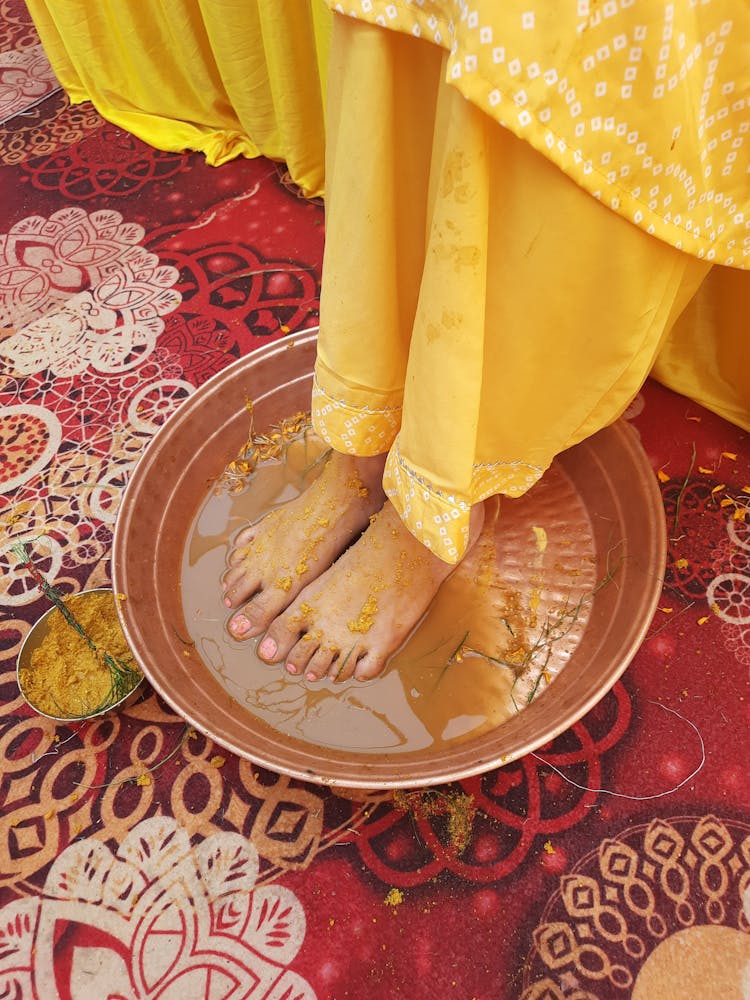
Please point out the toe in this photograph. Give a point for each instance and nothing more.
(368, 666)
(320, 663)
(282, 635)
(266, 605)
(244, 537)
(239, 626)
(238, 584)
(343, 667)
(238, 556)
(257, 614)
(299, 656)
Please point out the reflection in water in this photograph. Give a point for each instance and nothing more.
(514, 606)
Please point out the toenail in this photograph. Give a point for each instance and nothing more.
(311, 676)
(239, 625)
(291, 669)
(267, 648)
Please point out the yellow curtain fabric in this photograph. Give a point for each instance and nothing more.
(707, 354)
(225, 77)
(480, 311)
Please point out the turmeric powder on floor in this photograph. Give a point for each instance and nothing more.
(65, 678)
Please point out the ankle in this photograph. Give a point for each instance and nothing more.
(370, 469)
(367, 469)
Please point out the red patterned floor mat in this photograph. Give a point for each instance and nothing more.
(139, 860)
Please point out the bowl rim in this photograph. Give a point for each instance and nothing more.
(260, 743)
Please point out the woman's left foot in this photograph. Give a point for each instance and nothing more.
(353, 617)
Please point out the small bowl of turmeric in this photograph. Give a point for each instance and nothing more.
(75, 663)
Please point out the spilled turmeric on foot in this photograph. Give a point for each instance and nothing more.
(366, 618)
(354, 482)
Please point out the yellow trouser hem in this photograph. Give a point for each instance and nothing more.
(438, 519)
(355, 429)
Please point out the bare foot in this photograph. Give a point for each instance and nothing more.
(356, 614)
(279, 555)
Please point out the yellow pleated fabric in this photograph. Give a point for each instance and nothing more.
(224, 77)
(481, 312)
(707, 353)
(524, 203)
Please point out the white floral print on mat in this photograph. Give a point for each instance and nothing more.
(728, 594)
(157, 919)
(26, 78)
(77, 289)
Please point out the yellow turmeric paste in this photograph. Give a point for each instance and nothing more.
(65, 677)
(366, 618)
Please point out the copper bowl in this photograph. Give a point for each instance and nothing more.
(610, 471)
(35, 637)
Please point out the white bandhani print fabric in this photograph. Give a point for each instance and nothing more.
(80, 291)
(645, 104)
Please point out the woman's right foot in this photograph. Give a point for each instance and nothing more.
(356, 615)
(291, 546)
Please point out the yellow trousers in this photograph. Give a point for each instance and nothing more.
(480, 311)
